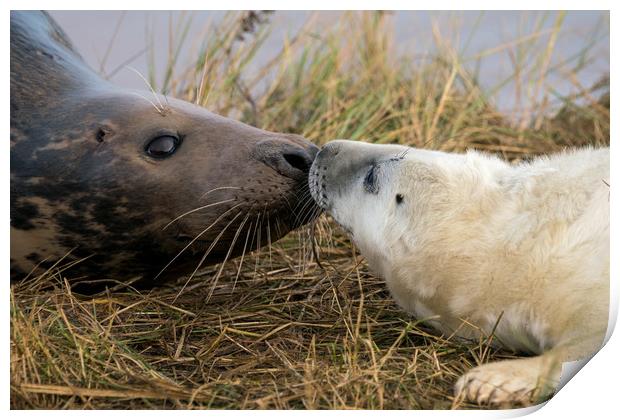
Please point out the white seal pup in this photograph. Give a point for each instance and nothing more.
(478, 246)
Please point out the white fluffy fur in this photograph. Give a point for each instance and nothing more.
(477, 243)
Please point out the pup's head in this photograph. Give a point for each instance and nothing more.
(389, 197)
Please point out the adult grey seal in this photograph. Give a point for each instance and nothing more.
(135, 182)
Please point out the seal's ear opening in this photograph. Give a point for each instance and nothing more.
(100, 135)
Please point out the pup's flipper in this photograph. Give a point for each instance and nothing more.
(526, 381)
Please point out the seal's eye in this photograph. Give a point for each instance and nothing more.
(162, 146)
(399, 198)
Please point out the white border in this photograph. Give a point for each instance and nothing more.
(313, 5)
(592, 394)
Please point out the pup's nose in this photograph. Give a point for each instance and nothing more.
(331, 149)
(292, 160)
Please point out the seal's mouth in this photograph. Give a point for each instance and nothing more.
(244, 232)
(274, 218)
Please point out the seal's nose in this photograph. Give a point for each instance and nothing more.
(288, 159)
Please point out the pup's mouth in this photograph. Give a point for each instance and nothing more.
(316, 183)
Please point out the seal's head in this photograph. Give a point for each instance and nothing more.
(132, 180)
(388, 196)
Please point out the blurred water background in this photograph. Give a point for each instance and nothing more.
(490, 42)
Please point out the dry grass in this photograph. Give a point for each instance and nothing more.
(289, 333)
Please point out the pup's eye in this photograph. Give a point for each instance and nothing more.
(399, 198)
(162, 146)
(370, 181)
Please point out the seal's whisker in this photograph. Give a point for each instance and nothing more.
(204, 257)
(247, 236)
(259, 228)
(309, 234)
(230, 248)
(311, 213)
(269, 243)
(288, 204)
(305, 213)
(285, 198)
(219, 189)
(304, 201)
(162, 108)
(296, 192)
(238, 231)
(196, 238)
(302, 190)
(308, 202)
(302, 254)
(255, 233)
(278, 230)
(148, 100)
(301, 199)
(234, 240)
(198, 209)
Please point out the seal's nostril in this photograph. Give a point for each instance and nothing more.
(289, 160)
(296, 160)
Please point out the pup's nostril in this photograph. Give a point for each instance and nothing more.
(297, 161)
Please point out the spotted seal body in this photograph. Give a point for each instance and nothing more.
(104, 173)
